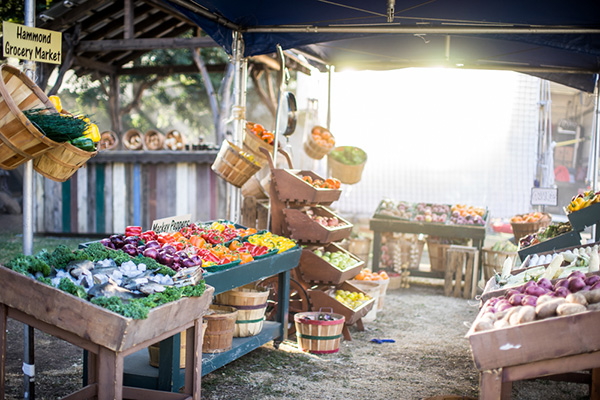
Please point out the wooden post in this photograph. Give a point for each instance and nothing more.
(3, 318)
(490, 385)
(114, 104)
(128, 20)
(110, 375)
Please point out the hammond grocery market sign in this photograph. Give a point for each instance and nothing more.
(29, 43)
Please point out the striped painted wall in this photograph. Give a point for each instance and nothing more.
(105, 197)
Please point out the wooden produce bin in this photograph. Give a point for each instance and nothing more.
(321, 300)
(306, 230)
(547, 347)
(291, 188)
(315, 269)
(107, 336)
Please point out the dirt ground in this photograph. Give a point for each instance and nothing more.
(430, 357)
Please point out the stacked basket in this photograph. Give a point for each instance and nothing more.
(318, 332)
(21, 140)
(251, 305)
(522, 229)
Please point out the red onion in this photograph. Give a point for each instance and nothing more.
(169, 249)
(591, 280)
(545, 283)
(511, 292)
(561, 291)
(150, 252)
(107, 243)
(576, 284)
(529, 300)
(595, 286)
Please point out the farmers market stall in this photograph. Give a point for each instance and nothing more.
(108, 337)
(540, 318)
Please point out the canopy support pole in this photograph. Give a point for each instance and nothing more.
(330, 72)
(28, 334)
(240, 82)
(596, 148)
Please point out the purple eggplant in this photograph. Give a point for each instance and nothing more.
(188, 263)
(150, 252)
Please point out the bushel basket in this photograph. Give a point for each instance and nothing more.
(61, 162)
(218, 336)
(522, 229)
(319, 332)
(233, 166)
(20, 140)
(251, 305)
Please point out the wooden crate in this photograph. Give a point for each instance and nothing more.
(320, 299)
(460, 279)
(255, 213)
(291, 188)
(314, 269)
(306, 230)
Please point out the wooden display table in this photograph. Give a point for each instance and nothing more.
(381, 225)
(548, 347)
(108, 337)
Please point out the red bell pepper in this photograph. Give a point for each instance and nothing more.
(133, 231)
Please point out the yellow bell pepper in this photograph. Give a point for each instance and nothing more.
(92, 132)
(55, 100)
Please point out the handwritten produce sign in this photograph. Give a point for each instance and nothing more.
(544, 196)
(29, 43)
(171, 224)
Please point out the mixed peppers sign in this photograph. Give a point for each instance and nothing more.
(29, 43)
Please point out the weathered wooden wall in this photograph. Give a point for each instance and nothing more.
(116, 189)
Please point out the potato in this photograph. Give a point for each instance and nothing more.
(501, 323)
(513, 318)
(594, 307)
(544, 298)
(510, 312)
(526, 314)
(576, 298)
(592, 296)
(483, 325)
(570, 309)
(548, 309)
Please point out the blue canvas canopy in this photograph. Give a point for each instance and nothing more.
(555, 39)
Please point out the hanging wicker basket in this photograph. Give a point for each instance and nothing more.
(232, 165)
(314, 149)
(253, 143)
(61, 162)
(348, 174)
(20, 140)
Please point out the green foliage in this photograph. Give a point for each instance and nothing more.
(14, 10)
(61, 256)
(67, 285)
(28, 265)
(45, 280)
(153, 265)
(96, 251)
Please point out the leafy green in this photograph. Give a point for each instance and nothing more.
(45, 280)
(153, 265)
(97, 251)
(28, 265)
(132, 309)
(61, 256)
(67, 285)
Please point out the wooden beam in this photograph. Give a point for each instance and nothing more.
(128, 32)
(270, 62)
(145, 44)
(71, 17)
(88, 63)
(170, 69)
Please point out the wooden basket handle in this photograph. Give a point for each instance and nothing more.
(270, 158)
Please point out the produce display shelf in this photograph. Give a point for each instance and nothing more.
(315, 269)
(222, 281)
(568, 239)
(138, 371)
(380, 225)
(585, 217)
(290, 187)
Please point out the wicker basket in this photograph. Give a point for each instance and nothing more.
(219, 332)
(494, 261)
(20, 140)
(174, 140)
(312, 148)
(61, 162)
(133, 140)
(108, 141)
(254, 188)
(348, 174)
(233, 166)
(154, 140)
(522, 229)
(251, 304)
(318, 336)
(253, 143)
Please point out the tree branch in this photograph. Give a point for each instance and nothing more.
(210, 90)
(138, 95)
(256, 75)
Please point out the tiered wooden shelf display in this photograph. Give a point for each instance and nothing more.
(290, 198)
